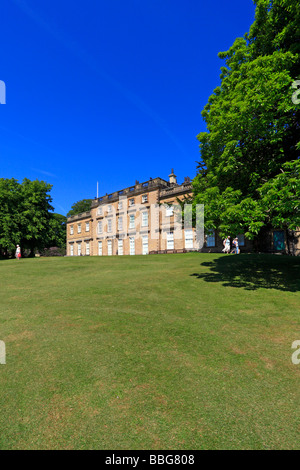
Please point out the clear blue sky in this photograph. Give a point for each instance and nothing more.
(109, 91)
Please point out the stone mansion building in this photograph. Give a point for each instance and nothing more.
(138, 220)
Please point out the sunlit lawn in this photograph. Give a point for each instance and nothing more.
(187, 351)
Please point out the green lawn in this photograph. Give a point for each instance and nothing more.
(186, 351)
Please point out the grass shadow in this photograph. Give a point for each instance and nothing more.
(254, 271)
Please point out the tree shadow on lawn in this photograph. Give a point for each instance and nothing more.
(254, 271)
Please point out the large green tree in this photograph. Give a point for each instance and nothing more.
(251, 148)
(80, 206)
(25, 215)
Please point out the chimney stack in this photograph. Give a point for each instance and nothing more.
(172, 178)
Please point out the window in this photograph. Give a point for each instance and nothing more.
(79, 249)
(109, 208)
(120, 205)
(170, 241)
(87, 226)
(120, 223)
(120, 247)
(99, 248)
(145, 245)
(109, 225)
(79, 228)
(145, 198)
(169, 211)
(210, 238)
(87, 248)
(109, 247)
(131, 246)
(241, 239)
(131, 221)
(99, 228)
(145, 219)
(131, 202)
(72, 250)
(278, 240)
(100, 211)
(188, 234)
(71, 229)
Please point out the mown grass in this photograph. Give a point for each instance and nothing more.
(180, 351)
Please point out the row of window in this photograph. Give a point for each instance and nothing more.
(211, 239)
(120, 223)
(78, 247)
(169, 213)
(189, 244)
(120, 205)
(87, 228)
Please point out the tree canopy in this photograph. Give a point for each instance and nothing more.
(26, 216)
(80, 206)
(248, 176)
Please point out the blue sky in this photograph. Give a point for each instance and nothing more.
(109, 91)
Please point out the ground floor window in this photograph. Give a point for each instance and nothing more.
(72, 250)
(109, 247)
(188, 235)
(87, 248)
(79, 249)
(99, 248)
(241, 239)
(131, 245)
(170, 241)
(211, 238)
(120, 247)
(278, 240)
(145, 245)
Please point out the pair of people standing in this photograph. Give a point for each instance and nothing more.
(235, 243)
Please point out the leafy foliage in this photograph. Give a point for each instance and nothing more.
(26, 217)
(80, 206)
(250, 154)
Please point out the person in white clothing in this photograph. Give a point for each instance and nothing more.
(18, 252)
(226, 244)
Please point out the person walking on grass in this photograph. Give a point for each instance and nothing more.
(226, 244)
(235, 246)
(18, 252)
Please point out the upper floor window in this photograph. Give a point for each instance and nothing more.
(145, 219)
(131, 202)
(120, 205)
(120, 223)
(109, 208)
(71, 229)
(109, 225)
(100, 211)
(87, 226)
(144, 198)
(100, 226)
(79, 228)
(131, 222)
(169, 211)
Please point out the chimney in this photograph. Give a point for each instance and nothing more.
(172, 178)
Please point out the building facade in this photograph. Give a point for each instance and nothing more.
(139, 220)
(147, 219)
